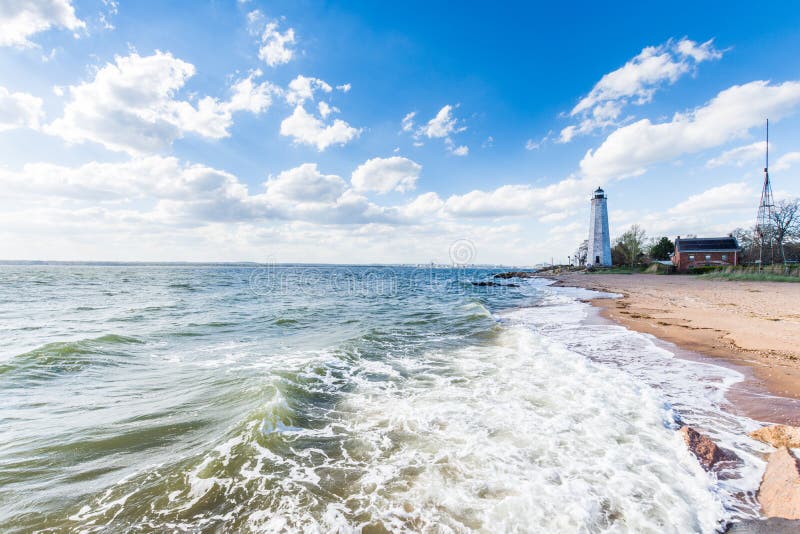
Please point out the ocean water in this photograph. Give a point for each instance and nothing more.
(138, 398)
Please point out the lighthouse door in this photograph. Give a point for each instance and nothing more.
(597, 259)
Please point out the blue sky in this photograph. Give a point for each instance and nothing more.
(383, 132)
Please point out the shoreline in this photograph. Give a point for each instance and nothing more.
(770, 391)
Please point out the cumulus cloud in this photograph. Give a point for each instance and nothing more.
(19, 20)
(276, 47)
(786, 161)
(456, 150)
(165, 191)
(302, 88)
(386, 174)
(307, 129)
(19, 110)
(131, 105)
(306, 184)
(631, 149)
(739, 156)
(727, 197)
(424, 206)
(442, 126)
(520, 200)
(636, 82)
(152, 179)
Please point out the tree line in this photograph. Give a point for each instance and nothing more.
(781, 239)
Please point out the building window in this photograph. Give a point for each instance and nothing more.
(708, 257)
(724, 257)
(691, 257)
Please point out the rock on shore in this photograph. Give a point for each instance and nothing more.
(773, 525)
(516, 274)
(708, 453)
(778, 435)
(779, 493)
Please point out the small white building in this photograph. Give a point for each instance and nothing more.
(599, 250)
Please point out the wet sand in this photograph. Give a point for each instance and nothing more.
(753, 327)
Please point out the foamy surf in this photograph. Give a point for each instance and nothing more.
(520, 434)
(444, 413)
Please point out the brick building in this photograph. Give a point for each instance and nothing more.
(704, 251)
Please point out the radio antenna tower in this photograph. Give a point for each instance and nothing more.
(765, 217)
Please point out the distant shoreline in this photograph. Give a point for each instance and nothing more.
(753, 327)
(109, 263)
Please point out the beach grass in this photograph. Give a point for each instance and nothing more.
(755, 276)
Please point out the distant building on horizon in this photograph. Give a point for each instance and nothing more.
(691, 252)
(599, 246)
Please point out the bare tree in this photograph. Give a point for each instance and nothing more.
(785, 222)
(747, 238)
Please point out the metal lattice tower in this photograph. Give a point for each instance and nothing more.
(764, 221)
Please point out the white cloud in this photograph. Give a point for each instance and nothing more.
(307, 129)
(698, 52)
(636, 81)
(386, 174)
(19, 110)
(345, 87)
(520, 200)
(162, 191)
(105, 16)
(131, 105)
(152, 177)
(442, 125)
(739, 156)
(786, 161)
(407, 124)
(713, 212)
(326, 109)
(306, 184)
(732, 196)
(302, 88)
(462, 150)
(425, 205)
(276, 47)
(631, 149)
(20, 19)
(530, 144)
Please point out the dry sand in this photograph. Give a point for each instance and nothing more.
(751, 326)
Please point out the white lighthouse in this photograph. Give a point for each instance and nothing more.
(599, 253)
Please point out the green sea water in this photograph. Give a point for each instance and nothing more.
(159, 398)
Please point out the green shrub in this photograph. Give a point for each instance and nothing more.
(705, 269)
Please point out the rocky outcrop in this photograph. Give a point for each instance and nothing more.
(709, 454)
(493, 284)
(772, 525)
(516, 274)
(778, 435)
(779, 493)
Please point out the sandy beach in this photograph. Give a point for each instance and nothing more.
(751, 326)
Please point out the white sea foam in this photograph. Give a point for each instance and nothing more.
(554, 425)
